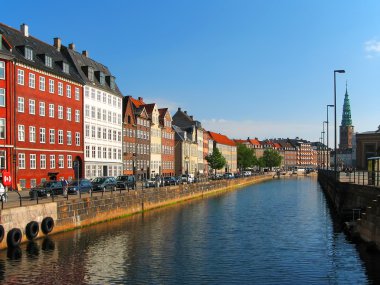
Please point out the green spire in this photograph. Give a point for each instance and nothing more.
(346, 116)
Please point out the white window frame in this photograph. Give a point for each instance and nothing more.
(69, 161)
(2, 70)
(42, 135)
(32, 107)
(43, 161)
(61, 161)
(77, 116)
(20, 76)
(68, 113)
(21, 160)
(41, 83)
(52, 161)
(68, 91)
(60, 136)
(77, 138)
(2, 97)
(21, 133)
(60, 112)
(42, 109)
(60, 88)
(51, 86)
(32, 80)
(51, 110)
(20, 104)
(32, 134)
(32, 161)
(2, 129)
(52, 136)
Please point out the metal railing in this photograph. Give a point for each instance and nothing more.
(360, 177)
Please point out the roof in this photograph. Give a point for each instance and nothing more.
(222, 139)
(149, 108)
(137, 103)
(18, 40)
(79, 61)
(255, 141)
(241, 141)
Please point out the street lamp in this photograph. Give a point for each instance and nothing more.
(327, 129)
(323, 143)
(335, 154)
(187, 168)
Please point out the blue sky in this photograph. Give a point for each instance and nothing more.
(242, 67)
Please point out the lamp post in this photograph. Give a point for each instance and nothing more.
(187, 168)
(323, 144)
(335, 154)
(327, 130)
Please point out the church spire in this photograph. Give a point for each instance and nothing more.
(346, 116)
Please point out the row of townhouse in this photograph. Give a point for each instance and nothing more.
(62, 115)
(294, 152)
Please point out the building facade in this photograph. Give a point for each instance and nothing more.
(228, 149)
(167, 142)
(47, 122)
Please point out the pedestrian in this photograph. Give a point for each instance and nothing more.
(64, 185)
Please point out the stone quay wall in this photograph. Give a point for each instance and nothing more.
(358, 204)
(79, 212)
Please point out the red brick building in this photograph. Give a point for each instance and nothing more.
(47, 123)
(167, 142)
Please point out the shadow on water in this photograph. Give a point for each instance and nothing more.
(32, 249)
(14, 253)
(369, 257)
(48, 244)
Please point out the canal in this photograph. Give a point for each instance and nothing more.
(277, 232)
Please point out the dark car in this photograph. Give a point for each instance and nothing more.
(170, 180)
(47, 188)
(104, 183)
(126, 182)
(79, 186)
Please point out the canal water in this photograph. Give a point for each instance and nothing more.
(277, 232)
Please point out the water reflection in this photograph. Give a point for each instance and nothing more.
(279, 232)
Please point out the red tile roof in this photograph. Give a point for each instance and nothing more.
(222, 139)
(137, 103)
(241, 141)
(254, 141)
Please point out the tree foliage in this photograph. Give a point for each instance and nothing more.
(216, 160)
(246, 157)
(271, 158)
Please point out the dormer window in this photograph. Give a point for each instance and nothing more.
(48, 61)
(102, 78)
(28, 53)
(65, 68)
(112, 83)
(90, 74)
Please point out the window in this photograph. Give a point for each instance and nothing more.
(42, 83)
(32, 107)
(98, 95)
(2, 70)
(99, 114)
(32, 161)
(87, 111)
(42, 161)
(77, 95)
(60, 136)
(77, 138)
(68, 91)
(51, 110)
(112, 82)
(20, 77)
(68, 114)
(20, 104)
(87, 153)
(51, 86)
(21, 160)
(99, 133)
(42, 135)
(60, 112)
(104, 133)
(61, 161)
(102, 78)
(2, 97)
(90, 74)
(42, 109)
(93, 134)
(114, 117)
(77, 116)
(93, 112)
(2, 128)
(21, 133)
(104, 152)
(32, 80)
(60, 88)
(69, 161)
(93, 94)
(86, 92)
(48, 61)
(65, 68)
(104, 115)
(87, 130)
(32, 134)
(109, 116)
(69, 138)
(93, 151)
(52, 161)
(28, 53)
(52, 136)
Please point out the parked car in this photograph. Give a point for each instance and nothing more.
(228, 175)
(79, 186)
(149, 183)
(47, 188)
(187, 178)
(104, 183)
(126, 182)
(170, 180)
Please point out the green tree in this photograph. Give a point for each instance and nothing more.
(245, 156)
(216, 160)
(271, 158)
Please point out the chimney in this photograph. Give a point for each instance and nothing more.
(191, 117)
(185, 112)
(140, 99)
(179, 110)
(57, 43)
(85, 53)
(24, 30)
(72, 46)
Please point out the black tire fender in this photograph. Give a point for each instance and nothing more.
(47, 225)
(14, 237)
(32, 230)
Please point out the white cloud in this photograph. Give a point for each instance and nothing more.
(372, 48)
(263, 129)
